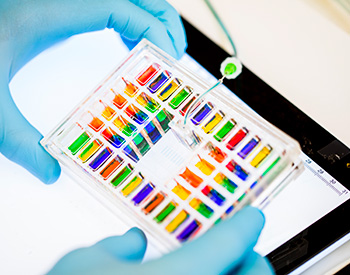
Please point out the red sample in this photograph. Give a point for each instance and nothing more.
(237, 138)
(146, 75)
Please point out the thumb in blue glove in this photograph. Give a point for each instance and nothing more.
(228, 247)
(29, 27)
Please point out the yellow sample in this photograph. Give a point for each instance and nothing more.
(213, 122)
(132, 185)
(90, 150)
(261, 156)
(206, 167)
(195, 203)
(168, 90)
(177, 221)
(181, 191)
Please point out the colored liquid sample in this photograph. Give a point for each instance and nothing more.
(141, 144)
(237, 138)
(217, 154)
(132, 185)
(201, 207)
(191, 178)
(164, 118)
(189, 231)
(111, 167)
(258, 159)
(181, 191)
(79, 143)
(90, 150)
(214, 195)
(206, 167)
(110, 135)
(130, 89)
(124, 126)
(202, 113)
(122, 175)
(225, 182)
(225, 130)
(96, 124)
(165, 212)
(168, 90)
(159, 81)
(136, 114)
(249, 147)
(152, 132)
(184, 109)
(153, 203)
(148, 102)
(177, 221)
(143, 194)
(147, 74)
(237, 170)
(130, 152)
(180, 97)
(108, 112)
(119, 101)
(102, 157)
(213, 122)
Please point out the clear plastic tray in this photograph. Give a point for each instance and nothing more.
(120, 144)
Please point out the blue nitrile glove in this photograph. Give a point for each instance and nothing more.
(27, 27)
(226, 248)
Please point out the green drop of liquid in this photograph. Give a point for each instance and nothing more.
(230, 69)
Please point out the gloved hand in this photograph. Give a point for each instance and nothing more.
(226, 248)
(27, 27)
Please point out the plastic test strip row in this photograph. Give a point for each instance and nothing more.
(225, 131)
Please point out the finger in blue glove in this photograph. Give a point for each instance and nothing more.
(29, 27)
(226, 247)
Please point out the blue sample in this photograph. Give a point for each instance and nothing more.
(188, 231)
(152, 132)
(249, 147)
(159, 81)
(101, 159)
(149, 187)
(240, 172)
(131, 153)
(202, 113)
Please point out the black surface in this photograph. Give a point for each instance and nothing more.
(321, 146)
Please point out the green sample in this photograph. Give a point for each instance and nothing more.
(205, 211)
(164, 118)
(122, 175)
(223, 132)
(141, 144)
(180, 97)
(230, 69)
(165, 212)
(228, 185)
(79, 143)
